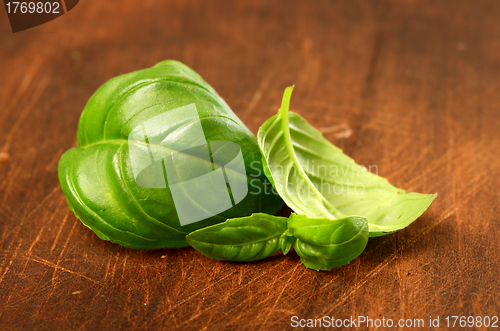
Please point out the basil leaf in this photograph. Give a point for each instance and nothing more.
(316, 179)
(287, 174)
(287, 241)
(323, 244)
(116, 183)
(240, 239)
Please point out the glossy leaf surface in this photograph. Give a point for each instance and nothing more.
(323, 244)
(287, 241)
(315, 178)
(240, 239)
(127, 199)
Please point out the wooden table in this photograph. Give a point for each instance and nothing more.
(409, 86)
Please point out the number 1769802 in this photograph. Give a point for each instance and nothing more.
(32, 7)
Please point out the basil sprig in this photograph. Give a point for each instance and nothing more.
(321, 243)
(338, 204)
(115, 184)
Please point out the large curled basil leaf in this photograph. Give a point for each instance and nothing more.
(240, 239)
(323, 244)
(316, 179)
(138, 211)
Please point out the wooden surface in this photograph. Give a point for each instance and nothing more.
(409, 86)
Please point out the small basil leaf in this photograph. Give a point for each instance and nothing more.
(323, 244)
(248, 238)
(316, 179)
(287, 241)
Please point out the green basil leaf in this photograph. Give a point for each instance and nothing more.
(285, 169)
(323, 244)
(287, 241)
(316, 179)
(240, 239)
(267, 172)
(127, 199)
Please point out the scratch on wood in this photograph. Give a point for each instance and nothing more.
(24, 113)
(405, 167)
(401, 292)
(203, 290)
(14, 235)
(62, 252)
(201, 264)
(124, 265)
(356, 276)
(113, 270)
(330, 282)
(106, 271)
(31, 295)
(431, 168)
(28, 77)
(10, 262)
(240, 277)
(28, 253)
(48, 196)
(248, 298)
(58, 267)
(290, 273)
(256, 97)
(60, 229)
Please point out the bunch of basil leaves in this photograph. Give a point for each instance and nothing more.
(335, 212)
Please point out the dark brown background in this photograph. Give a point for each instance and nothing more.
(410, 86)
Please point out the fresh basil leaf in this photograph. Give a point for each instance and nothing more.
(287, 174)
(316, 179)
(267, 172)
(248, 238)
(287, 241)
(116, 183)
(323, 244)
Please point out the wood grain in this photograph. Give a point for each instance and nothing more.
(410, 87)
